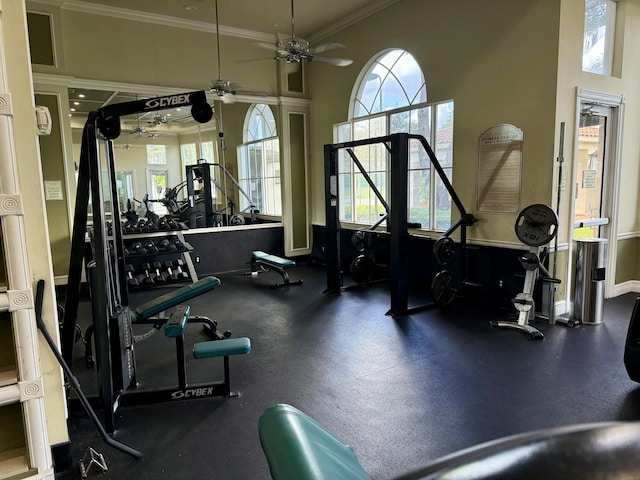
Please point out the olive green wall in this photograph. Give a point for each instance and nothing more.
(628, 261)
(498, 60)
(52, 151)
(495, 59)
(298, 185)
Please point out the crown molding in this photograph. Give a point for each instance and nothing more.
(146, 17)
(88, 84)
(371, 9)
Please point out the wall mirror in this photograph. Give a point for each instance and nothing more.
(170, 165)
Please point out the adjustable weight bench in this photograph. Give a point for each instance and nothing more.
(262, 262)
(145, 313)
(174, 328)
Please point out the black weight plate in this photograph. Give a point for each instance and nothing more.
(444, 288)
(443, 250)
(529, 261)
(362, 269)
(536, 225)
(361, 240)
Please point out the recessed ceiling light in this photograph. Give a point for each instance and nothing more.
(72, 109)
(76, 103)
(190, 8)
(82, 95)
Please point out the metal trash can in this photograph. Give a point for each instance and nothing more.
(591, 259)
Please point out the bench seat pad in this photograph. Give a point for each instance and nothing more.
(171, 299)
(297, 447)
(272, 259)
(222, 348)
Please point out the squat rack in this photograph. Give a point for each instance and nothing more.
(398, 146)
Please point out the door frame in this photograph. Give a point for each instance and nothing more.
(616, 104)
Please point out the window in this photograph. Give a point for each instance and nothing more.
(391, 98)
(259, 162)
(188, 154)
(599, 33)
(156, 154)
(207, 152)
(157, 184)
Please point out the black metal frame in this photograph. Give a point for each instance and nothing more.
(398, 226)
(106, 268)
(200, 171)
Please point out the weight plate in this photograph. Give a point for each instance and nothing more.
(361, 240)
(444, 288)
(529, 261)
(536, 225)
(362, 269)
(236, 219)
(523, 302)
(443, 250)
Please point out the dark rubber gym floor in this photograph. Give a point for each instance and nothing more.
(401, 391)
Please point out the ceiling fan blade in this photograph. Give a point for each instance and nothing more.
(268, 46)
(248, 60)
(338, 62)
(325, 47)
(228, 98)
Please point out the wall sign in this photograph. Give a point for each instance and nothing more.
(499, 169)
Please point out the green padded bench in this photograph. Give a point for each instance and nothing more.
(175, 328)
(171, 299)
(261, 261)
(144, 314)
(299, 448)
(223, 348)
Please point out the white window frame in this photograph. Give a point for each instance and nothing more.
(344, 132)
(598, 44)
(262, 186)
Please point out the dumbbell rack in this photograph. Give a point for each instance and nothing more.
(138, 259)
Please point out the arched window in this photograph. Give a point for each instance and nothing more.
(393, 80)
(390, 96)
(259, 162)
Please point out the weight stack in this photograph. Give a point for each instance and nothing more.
(123, 368)
(632, 345)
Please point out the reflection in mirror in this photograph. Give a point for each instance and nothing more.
(155, 150)
(259, 161)
(295, 77)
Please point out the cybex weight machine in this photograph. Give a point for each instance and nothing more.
(106, 261)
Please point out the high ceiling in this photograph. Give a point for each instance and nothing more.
(313, 19)
(265, 16)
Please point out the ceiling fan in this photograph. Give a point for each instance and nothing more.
(295, 50)
(158, 119)
(221, 87)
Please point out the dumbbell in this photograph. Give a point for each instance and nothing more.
(166, 246)
(170, 273)
(172, 225)
(180, 274)
(147, 280)
(132, 281)
(137, 249)
(162, 224)
(159, 276)
(179, 245)
(151, 247)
